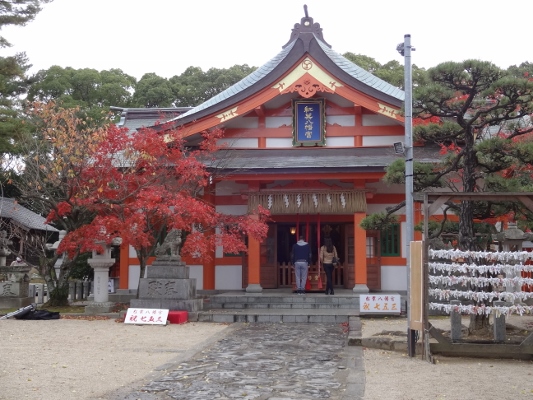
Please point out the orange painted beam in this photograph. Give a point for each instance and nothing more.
(332, 131)
(398, 261)
(233, 111)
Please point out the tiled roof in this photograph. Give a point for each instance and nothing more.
(136, 118)
(360, 74)
(243, 84)
(10, 209)
(303, 34)
(252, 161)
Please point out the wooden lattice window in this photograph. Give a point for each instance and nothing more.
(390, 241)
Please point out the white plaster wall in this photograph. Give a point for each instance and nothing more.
(228, 277)
(134, 273)
(375, 141)
(393, 278)
(247, 123)
(278, 142)
(277, 122)
(339, 141)
(196, 272)
(238, 209)
(377, 120)
(342, 120)
(132, 253)
(228, 188)
(248, 143)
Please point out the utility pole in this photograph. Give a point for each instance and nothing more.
(405, 50)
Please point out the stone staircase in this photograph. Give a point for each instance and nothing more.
(280, 305)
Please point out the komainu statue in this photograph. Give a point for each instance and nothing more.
(172, 244)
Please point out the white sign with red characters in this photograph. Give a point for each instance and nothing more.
(381, 303)
(151, 316)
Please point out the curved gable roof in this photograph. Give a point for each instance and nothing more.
(306, 39)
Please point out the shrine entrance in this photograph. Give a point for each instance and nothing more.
(275, 254)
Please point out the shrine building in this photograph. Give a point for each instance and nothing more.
(309, 135)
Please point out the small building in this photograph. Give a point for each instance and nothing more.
(26, 230)
(309, 135)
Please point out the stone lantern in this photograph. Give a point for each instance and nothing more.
(14, 279)
(101, 262)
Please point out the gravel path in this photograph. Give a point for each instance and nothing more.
(79, 359)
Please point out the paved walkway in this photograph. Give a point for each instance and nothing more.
(265, 362)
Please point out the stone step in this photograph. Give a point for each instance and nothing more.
(258, 315)
(309, 301)
(279, 306)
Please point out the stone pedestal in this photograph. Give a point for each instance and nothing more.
(498, 325)
(15, 286)
(167, 286)
(254, 288)
(360, 288)
(455, 321)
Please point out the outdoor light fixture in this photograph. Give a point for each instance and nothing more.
(399, 148)
(293, 230)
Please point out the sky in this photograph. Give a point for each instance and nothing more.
(168, 36)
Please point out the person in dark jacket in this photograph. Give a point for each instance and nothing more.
(301, 258)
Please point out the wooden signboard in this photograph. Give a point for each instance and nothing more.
(382, 303)
(146, 316)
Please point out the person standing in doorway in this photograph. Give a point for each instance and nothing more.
(301, 258)
(328, 257)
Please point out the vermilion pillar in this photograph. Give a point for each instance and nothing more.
(209, 264)
(359, 236)
(209, 273)
(254, 264)
(124, 266)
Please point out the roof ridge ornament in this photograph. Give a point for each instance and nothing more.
(305, 30)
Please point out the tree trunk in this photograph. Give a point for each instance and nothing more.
(142, 255)
(58, 297)
(467, 236)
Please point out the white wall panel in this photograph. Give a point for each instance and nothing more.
(228, 277)
(381, 141)
(238, 209)
(378, 120)
(243, 123)
(394, 278)
(228, 188)
(247, 143)
(197, 272)
(134, 273)
(339, 141)
(278, 142)
(342, 120)
(277, 122)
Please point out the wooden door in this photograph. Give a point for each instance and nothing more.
(349, 268)
(373, 260)
(268, 260)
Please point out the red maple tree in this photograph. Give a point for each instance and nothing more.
(142, 184)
